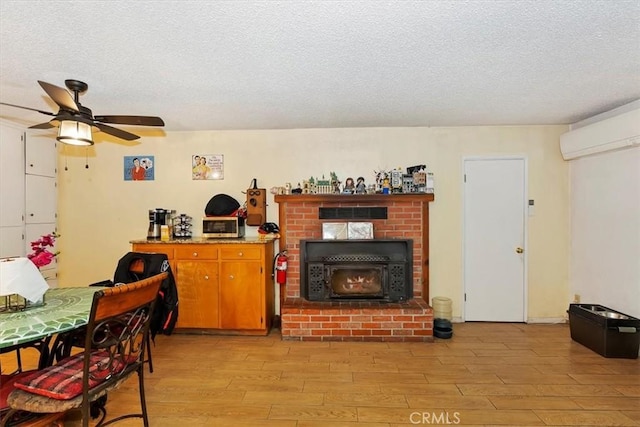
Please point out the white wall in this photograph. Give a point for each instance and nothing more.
(605, 229)
(99, 213)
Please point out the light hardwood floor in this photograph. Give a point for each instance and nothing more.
(487, 374)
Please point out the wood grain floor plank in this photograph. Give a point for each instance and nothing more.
(585, 418)
(532, 402)
(451, 402)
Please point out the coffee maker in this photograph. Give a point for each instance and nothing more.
(157, 218)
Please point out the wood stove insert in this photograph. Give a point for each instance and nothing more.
(365, 270)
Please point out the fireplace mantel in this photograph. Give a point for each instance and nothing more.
(353, 198)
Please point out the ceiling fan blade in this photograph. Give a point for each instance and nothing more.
(131, 120)
(27, 108)
(60, 96)
(46, 125)
(118, 133)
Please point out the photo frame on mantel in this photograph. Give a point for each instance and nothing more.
(207, 166)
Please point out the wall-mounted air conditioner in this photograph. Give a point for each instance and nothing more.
(609, 134)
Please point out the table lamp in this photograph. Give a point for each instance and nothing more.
(21, 284)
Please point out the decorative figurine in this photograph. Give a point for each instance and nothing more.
(361, 188)
(335, 182)
(386, 186)
(297, 190)
(380, 177)
(349, 186)
(396, 180)
(323, 186)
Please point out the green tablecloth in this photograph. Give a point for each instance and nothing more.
(65, 309)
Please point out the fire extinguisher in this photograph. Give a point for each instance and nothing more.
(281, 267)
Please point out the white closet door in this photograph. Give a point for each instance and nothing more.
(12, 241)
(40, 199)
(11, 176)
(41, 156)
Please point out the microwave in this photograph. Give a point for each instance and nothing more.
(222, 227)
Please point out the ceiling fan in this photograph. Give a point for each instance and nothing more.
(75, 121)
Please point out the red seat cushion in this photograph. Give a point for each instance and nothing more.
(64, 380)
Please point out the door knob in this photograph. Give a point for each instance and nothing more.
(519, 250)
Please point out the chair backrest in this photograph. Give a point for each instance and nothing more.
(117, 332)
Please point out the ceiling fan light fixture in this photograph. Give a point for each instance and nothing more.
(74, 133)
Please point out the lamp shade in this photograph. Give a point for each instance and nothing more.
(21, 276)
(74, 133)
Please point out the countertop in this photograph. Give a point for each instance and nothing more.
(260, 240)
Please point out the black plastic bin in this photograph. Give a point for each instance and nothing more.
(605, 331)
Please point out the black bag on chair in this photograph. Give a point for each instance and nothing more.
(165, 315)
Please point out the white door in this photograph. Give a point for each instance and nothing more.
(12, 190)
(494, 239)
(11, 176)
(12, 241)
(41, 156)
(40, 199)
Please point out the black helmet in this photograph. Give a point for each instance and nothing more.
(221, 205)
(269, 227)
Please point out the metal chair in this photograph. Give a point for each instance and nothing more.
(115, 341)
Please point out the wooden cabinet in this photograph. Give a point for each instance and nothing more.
(11, 191)
(28, 193)
(41, 196)
(224, 286)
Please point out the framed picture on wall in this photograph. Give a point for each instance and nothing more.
(139, 168)
(207, 166)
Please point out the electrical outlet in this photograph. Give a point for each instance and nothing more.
(576, 298)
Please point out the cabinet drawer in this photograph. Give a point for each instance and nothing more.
(197, 252)
(240, 252)
(156, 248)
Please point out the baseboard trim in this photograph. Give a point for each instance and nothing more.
(542, 320)
(548, 320)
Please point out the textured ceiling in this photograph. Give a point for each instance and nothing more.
(204, 65)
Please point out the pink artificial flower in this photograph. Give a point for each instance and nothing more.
(42, 256)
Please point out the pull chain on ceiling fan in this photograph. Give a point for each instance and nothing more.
(75, 122)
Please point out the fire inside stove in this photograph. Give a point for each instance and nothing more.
(357, 282)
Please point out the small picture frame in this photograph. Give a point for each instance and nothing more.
(139, 168)
(360, 230)
(207, 166)
(334, 231)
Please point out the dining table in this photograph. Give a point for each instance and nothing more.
(63, 310)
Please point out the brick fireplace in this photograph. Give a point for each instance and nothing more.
(407, 218)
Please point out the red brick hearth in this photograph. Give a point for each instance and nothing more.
(408, 218)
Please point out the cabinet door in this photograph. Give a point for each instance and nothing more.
(41, 156)
(241, 295)
(11, 242)
(40, 199)
(11, 176)
(197, 283)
